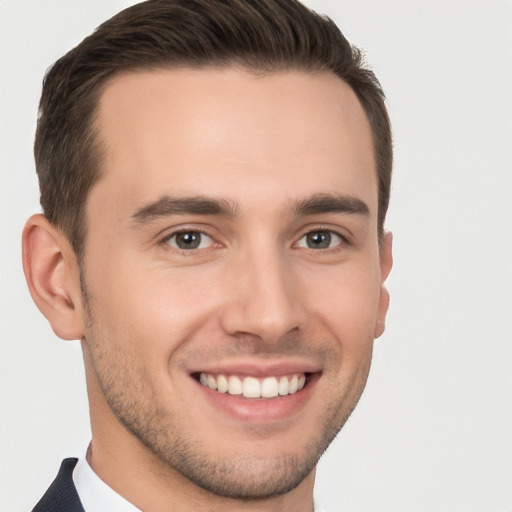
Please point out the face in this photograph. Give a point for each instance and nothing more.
(233, 273)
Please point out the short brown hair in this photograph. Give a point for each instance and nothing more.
(260, 35)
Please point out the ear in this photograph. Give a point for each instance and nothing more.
(53, 277)
(386, 262)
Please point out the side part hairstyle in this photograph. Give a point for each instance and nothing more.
(262, 36)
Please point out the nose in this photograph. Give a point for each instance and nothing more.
(261, 298)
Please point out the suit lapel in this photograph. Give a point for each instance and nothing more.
(61, 496)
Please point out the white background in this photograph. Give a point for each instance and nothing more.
(433, 431)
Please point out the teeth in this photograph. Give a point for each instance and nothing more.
(293, 384)
(284, 386)
(251, 387)
(234, 386)
(269, 387)
(222, 384)
(212, 383)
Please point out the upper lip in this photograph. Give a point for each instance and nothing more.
(259, 369)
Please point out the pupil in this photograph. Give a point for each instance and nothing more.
(188, 240)
(319, 240)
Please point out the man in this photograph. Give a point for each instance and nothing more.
(214, 178)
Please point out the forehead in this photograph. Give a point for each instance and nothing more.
(235, 134)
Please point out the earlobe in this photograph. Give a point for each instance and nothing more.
(386, 263)
(52, 276)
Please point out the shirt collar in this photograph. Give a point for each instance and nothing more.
(95, 494)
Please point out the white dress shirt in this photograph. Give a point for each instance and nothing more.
(95, 494)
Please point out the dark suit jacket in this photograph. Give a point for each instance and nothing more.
(61, 496)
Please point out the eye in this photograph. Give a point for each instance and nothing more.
(321, 239)
(189, 240)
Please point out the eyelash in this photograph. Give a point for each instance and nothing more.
(343, 241)
(166, 240)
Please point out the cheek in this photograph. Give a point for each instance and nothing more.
(346, 299)
(151, 310)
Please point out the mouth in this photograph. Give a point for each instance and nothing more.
(254, 387)
(254, 394)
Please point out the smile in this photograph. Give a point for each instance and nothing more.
(252, 387)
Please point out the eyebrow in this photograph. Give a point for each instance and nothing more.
(200, 205)
(196, 205)
(326, 203)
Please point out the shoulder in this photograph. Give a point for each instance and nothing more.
(61, 495)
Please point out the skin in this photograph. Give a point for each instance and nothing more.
(254, 298)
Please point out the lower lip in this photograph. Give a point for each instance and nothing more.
(260, 410)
